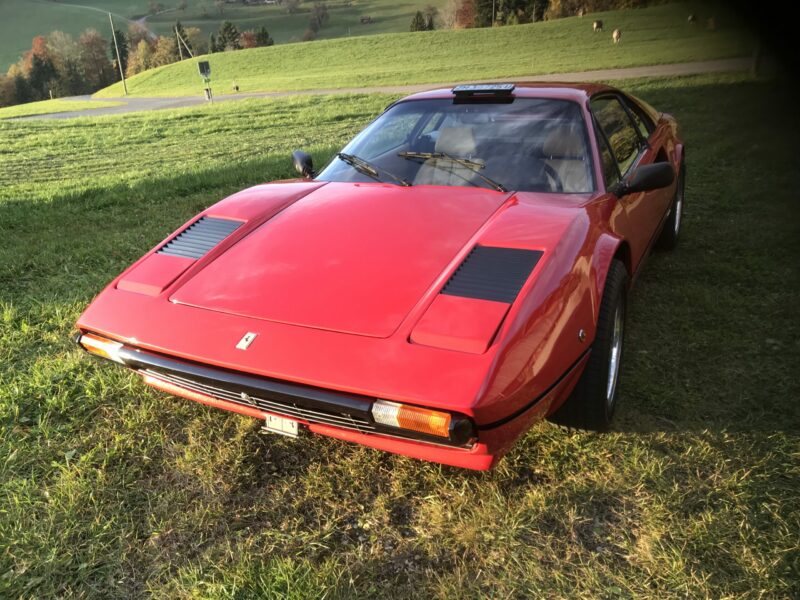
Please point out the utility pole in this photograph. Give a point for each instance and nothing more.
(178, 39)
(116, 47)
(185, 45)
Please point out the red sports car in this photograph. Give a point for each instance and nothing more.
(456, 273)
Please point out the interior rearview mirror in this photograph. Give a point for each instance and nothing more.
(646, 178)
(303, 163)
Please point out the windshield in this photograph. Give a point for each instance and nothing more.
(530, 144)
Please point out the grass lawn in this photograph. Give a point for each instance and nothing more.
(20, 20)
(109, 489)
(654, 35)
(52, 106)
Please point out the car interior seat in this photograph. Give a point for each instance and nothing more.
(565, 155)
(458, 142)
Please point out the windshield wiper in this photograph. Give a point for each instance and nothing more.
(472, 165)
(368, 169)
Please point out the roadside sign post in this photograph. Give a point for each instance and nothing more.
(205, 72)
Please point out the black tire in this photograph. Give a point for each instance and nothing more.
(590, 406)
(669, 235)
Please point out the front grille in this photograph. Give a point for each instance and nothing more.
(281, 408)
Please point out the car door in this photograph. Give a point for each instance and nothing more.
(623, 147)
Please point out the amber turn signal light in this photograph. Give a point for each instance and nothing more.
(405, 416)
(100, 346)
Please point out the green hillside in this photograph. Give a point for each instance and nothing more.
(650, 36)
(20, 20)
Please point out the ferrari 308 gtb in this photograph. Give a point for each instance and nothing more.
(456, 273)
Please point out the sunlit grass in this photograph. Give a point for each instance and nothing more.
(655, 35)
(110, 489)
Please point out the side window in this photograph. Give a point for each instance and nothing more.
(642, 122)
(615, 123)
(610, 172)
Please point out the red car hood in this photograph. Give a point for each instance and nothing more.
(352, 258)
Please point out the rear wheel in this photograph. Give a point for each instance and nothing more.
(592, 403)
(669, 235)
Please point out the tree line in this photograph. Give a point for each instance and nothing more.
(59, 65)
(465, 14)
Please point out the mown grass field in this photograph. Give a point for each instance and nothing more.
(655, 35)
(20, 20)
(52, 106)
(109, 489)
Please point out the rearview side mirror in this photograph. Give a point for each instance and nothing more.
(303, 163)
(646, 178)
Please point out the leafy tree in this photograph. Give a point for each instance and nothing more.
(248, 39)
(263, 37)
(196, 40)
(6, 90)
(136, 33)
(166, 51)
(212, 43)
(539, 9)
(65, 54)
(310, 35)
(22, 90)
(93, 59)
(228, 37)
(140, 59)
(182, 5)
(220, 4)
(466, 14)
(483, 12)
(70, 82)
(122, 42)
(430, 12)
(41, 76)
(292, 6)
(449, 13)
(418, 22)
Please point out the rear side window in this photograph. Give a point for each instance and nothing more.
(610, 172)
(642, 121)
(622, 136)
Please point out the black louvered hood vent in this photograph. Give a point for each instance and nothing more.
(199, 237)
(496, 274)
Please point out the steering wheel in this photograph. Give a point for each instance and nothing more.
(554, 178)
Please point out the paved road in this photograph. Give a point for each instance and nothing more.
(141, 104)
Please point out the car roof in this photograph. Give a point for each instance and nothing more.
(531, 89)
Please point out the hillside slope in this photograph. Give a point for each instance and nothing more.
(650, 36)
(20, 20)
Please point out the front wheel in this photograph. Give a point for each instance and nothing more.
(669, 235)
(592, 403)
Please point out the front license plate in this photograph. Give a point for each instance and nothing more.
(281, 425)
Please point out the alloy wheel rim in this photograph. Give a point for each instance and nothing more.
(614, 358)
(678, 207)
